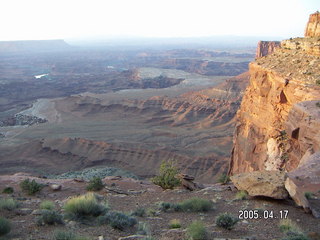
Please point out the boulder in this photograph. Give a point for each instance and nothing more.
(262, 183)
(306, 178)
(55, 187)
(187, 182)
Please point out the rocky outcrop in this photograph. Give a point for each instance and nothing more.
(266, 47)
(278, 126)
(313, 26)
(306, 179)
(262, 183)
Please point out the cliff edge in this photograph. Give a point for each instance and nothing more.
(277, 123)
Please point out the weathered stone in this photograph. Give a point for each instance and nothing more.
(23, 211)
(262, 183)
(306, 178)
(55, 187)
(187, 182)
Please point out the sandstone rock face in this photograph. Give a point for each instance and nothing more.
(313, 26)
(303, 129)
(262, 183)
(278, 81)
(266, 47)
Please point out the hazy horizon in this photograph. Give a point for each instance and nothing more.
(123, 19)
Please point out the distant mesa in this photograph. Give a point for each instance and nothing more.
(266, 47)
(33, 46)
(313, 26)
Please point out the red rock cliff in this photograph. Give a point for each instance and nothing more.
(266, 47)
(278, 121)
(313, 26)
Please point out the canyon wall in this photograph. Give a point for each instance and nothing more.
(266, 47)
(313, 26)
(278, 121)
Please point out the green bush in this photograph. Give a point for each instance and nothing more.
(196, 205)
(31, 187)
(139, 212)
(241, 195)
(309, 195)
(117, 220)
(197, 231)
(5, 226)
(8, 204)
(226, 221)
(49, 217)
(175, 223)
(287, 225)
(85, 206)
(8, 190)
(95, 184)
(49, 205)
(167, 176)
(61, 235)
(224, 178)
(295, 236)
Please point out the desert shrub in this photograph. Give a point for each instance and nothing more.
(226, 221)
(117, 220)
(167, 176)
(84, 206)
(95, 184)
(164, 206)
(295, 236)
(287, 225)
(8, 190)
(62, 235)
(5, 226)
(318, 82)
(143, 229)
(224, 178)
(175, 223)
(8, 204)
(151, 212)
(196, 205)
(241, 195)
(309, 195)
(197, 231)
(31, 187)
(318, 104)
(139, 212)
(49, 217)
(49, 205)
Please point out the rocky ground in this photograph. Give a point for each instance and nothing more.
(127, 195)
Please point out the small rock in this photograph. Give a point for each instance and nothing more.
(36, 212)
(23, 211)
(56, 187)
(132, 237)
(100, 238)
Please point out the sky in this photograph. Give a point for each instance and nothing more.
(76, 19)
